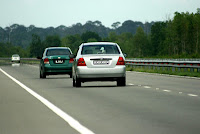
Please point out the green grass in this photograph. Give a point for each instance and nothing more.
(21, 61)
(30, 61)
(180, 72)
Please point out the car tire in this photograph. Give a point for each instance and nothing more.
(121, 81)
(78, 82)
(42, 74)
(70, 75)
(74, 82)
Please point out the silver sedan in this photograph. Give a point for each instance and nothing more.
(99, 61)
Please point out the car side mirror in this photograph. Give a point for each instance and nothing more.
(71, 56)
(39, 57)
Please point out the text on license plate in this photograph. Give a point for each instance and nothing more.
(58, 61)
(100, 62)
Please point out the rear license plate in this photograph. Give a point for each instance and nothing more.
(58, 61)
(100, 62)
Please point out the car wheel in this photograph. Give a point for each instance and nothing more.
(78, 82)
(74, 82)
(121, 81)
(70, 75)
(42, 74)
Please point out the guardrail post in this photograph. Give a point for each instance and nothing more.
(168, 68)
(163, 68)
(173, 69)
(149, 67)
(191, 69)
(185, 69)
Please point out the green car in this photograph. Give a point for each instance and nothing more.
(56, 60)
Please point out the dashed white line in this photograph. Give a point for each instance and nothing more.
(180, 92)
(130, 84)
(157, 88)
(192, 95)
(147, 87)
(72, 122)
(167, 90)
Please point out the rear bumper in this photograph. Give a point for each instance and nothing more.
(57, 69)
(101, 73)
(15, 59)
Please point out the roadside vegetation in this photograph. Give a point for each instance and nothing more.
(182, 72)
(178, 37)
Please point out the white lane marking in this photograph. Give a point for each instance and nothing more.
(157, 88)
(180, 92)
(167, 90)
(193, 95)
(72, 122)
(139, 85)
(147, 87)
(130, 84)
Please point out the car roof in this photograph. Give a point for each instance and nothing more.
(99, 43)
(58, 47)
(15, 55)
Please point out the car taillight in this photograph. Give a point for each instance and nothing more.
(120, 61)
(81, 62)
(71, 60)
(46, 61)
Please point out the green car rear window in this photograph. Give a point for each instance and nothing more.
(52, 52)
(100, 49)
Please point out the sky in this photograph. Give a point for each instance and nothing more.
(47, 13)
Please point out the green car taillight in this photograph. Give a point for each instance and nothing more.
(46, 61)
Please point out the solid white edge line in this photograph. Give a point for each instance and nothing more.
(70, 120)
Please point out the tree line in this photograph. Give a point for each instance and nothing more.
(175, 38)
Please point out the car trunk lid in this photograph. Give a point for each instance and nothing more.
(101, 61)
(61, 60)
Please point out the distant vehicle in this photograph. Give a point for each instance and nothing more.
(56, 60)
(15, 58)
(99, 61)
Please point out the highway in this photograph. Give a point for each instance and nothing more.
(149, 104)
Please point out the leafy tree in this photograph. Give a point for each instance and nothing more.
(115, 25)
(88, 35)
(140, 42)
(52, 41)
(36, 47)
(197, 31)
(158, 32)
(72, 41)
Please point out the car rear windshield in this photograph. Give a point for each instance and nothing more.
(100, 49)
(15, 55)
(52, 52)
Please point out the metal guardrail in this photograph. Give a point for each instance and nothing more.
(174, 64)
(20, 58)
(188, 65)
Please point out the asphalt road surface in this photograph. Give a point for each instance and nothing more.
(149, 104)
